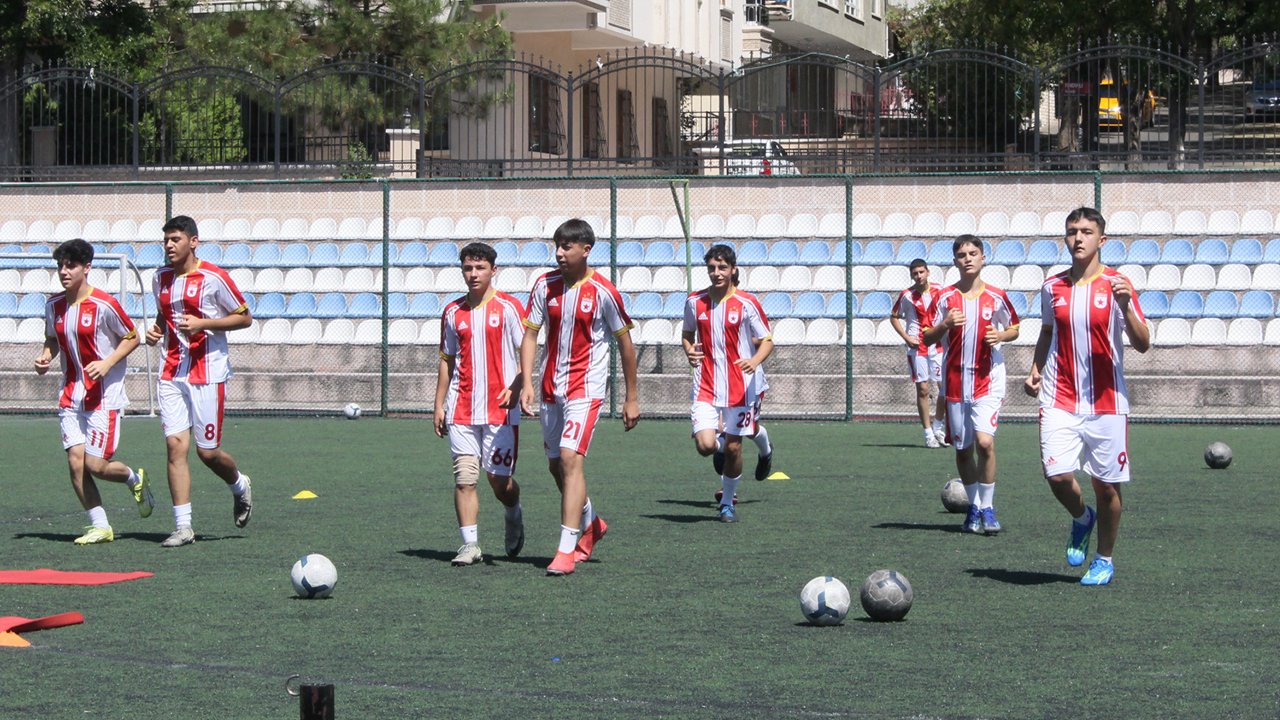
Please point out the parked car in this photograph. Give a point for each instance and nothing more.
(1110, 109)
(757, 157)
(1262, 98)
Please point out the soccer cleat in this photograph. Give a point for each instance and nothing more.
(1078, 545)
(941, 436)
(764, 466)
(182, 536)
(561, 564)
(727, 514)
(514, 541)
(142, 494)
(242, 509)
(587, 540)
(972, 521)
(990, 525)
(931, 440)
(468, 554)
(95, 535)
(1100, 572)
(720, 495)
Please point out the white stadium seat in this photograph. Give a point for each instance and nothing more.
(863, 331)
(647, 227)
(739, 226)
(864, 225)
(275, 331)
(419, 279)
(1028, 331)
(1055, 224)
(832, 225)
(297, 280)
(896, 225)
(126, 231)
(265, 229)
(865, 278)
(1244, 331)
(245, 336)
(529, 227)
(1234, 276)
(430, 333)
(242, 277)
(1026, 278)
(893, 278)
(403, 331)
(324, 229)
(1272, 334)
(1254, 222)
(635, 279)
(410, 228)
(305, 331)
(929, 224)
(1190, 222)
(40, 231)
(673, 228)
(1164, 277)
(96, 230)
(708, 226)
(668, 279)
(357, 280)
(339, 331)
(1198, 276)
(828, 278)
(802, 226)
(327, 279)
(497, 227)
(1024, 224)
(771, 227)
(763, 278)
(1124, 222)
(997, 275)
(995, 224)
(1172, 332)
(268, 280)
(1223, 222)
(437, 228)
(1266, 277)
(1209, 331)
(1154, 222)
(960, 223)
(14, 231)
(298, 228)
(511, 280)
(795, 278)
(1137, 275)
(449, 280)
(368, 332)
(886, 335)
(824, 331)
(35, 280)
(235, 229)
(30, 330)
(656, 331)
(66, 230)
(351, 228)
(788, 331)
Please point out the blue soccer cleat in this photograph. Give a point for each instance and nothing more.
(1078, 545)
(1100, 572)
(990, 525)
(972, 521)
(727, 514)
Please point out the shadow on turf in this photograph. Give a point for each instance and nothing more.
(949, 527)
(446, 556)
(1021, 577)
(156, 538)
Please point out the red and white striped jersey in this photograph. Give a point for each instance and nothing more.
(88, 331)
(917, 309)
(971, 368)
(206, 292)
(725, 331)
(485, 341)
(579, 320)
(1084, 371)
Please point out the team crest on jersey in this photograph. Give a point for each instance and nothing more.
(585, 305)
(1100, 300)
(193, 290)
(86, 320)
(494, 320)
(733, 316)
(986, 313)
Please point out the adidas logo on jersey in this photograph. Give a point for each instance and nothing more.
(1059, 301)
(462, 325)
(703, 316)
(553, 303)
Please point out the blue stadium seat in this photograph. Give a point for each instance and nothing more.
(128, 250)
(630, 252)
(265, 255)
(301, 305)
(324, 254)
(1009, 252)
(1144, 252)
(270, 305)
(875, 305)
(840, 254)
(9, 304)
(31, 305)
(601, 251)
(878, 252)
(673, 306)
(330, 305)
(397, 304)
(365, 305)
(810, 305)
(443, 254)
(412, 254)
(1221, 304)
(1257, 304)
(816, 252)
(424, 305)
(1114, 252)
(784, 252)
(646, 305)
(1019, 303)
(659, 252)
(1032, 302)
(1045, 252)
(836, 305)
(776, 305)
(1155, 304)
(523, 297)
(295, 255)
(208, 252)
(1247, 251)
(1272, 253)
(1186, 304)
(508, 252)
(1178, 252)
(357, 254)
(753, 252)
(151, 256)
(939, 253)
(1212, 251)
(910, 250)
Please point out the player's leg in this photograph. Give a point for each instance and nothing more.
(959, 421)
(706, 428)
(985, 417)
(577, 430)
(207, 406)
(501, 450)
(918, 366)
(1106, 459)
(465, 448)
(105, 429)
(764, 460)
(175, 419)
(737, 421)
(98, 530)
(940, 415)
(1060, 445)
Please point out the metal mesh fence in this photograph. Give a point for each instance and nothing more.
(347, 280)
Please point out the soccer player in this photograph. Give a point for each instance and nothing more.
(1078, 375)
(580, 310)
(477, 393)
(93, 335)
(915, 307)
(974, 318)
(726, 337)
(197, 305)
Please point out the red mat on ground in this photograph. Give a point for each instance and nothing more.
(45, 576)
(13, 623)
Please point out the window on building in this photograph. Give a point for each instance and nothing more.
(853, 8)
(593, 140)
(877, 8)
(628, 144)
(545, 133)
(663, 153)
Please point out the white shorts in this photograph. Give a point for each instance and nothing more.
(1103, 438)
(497, 446)
(97, 430)
(183, 406)
(925, 368)
(738, 421)
(569, 425)
(966, 419)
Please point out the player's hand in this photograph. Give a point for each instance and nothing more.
(527, 398)
(1122, 290)
(438, 423)
(913, 342)
(1032, 384)
(96, 369)
(955, 318)
(746, 365)
(190, 324)
(630, 414)
(43, 361)
(695, 356)
(154, 334)
(506, 398)
(992, 336)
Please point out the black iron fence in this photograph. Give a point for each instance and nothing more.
(654, 112)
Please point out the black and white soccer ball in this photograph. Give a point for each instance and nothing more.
(886, 595)
(1217, 455)
(954, 498)
(824, 601)
(352, 411)
(313, 576)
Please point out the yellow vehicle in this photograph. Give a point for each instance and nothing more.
(1111, 111)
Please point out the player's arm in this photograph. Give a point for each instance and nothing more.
(995, 335)
(933, 334)
(896, 321)
(242, 318)
(443, 375)
(631, 403)
(97, 369)
(1032, 384)
(692, 350)
(764, 347)
(47, 353)
(1137, 330)
(528, 352)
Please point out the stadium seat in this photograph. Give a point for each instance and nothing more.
(368, 332)
(527, 227)
(1023, 224)
(1154, 222)
(1026, 278)
(1234, 276)
(275, 331)
(864, 278)
(29, 331)
(1114, 252)
(1172, 332)
(1125, 222)
(809, 305)
(245, 335)
(1033, 304)
(669, 279)
(864, 225)
(1186, 304)
(862, 331)
(355, 254)
(1244, 332)
(37, 280)
(397, 305)
(996, 275)
(776, 304)
(875, 305)
(152, 256)
(878, 252)
(402, 331)
(708, 226)
(8, 304)
(324, 228)
(340, 331)
(929, 224)
(126, 231)
(429, 335)
(265, 229)
(424, 305)
(449, 280)
(840, 253)
(630, 252)
(1271, 253)
(795, 278)
(293, 255)
(1043, 252)
(939, 253)
(1177, 252)
(802, 226)
(1223, 222)
(645, 305)
(655, 331)
(909, 250)
(838, 305)
(823, 331)
(1272, 334)
(511, 280)
(330, 305)
(1221, 304)
(467, 229)
(1009, 252)
(1164, 277)
(235, 229)
(1197, 276)
(65, 230)
(815, 252)
(537, 253)
(418, 280)
(1055, 222)
(647, 227)
(635, 279)
(760, 279)
(1266, 277)
(268, 280)
(436, 228)
(739, 226)
(1190, 222)
(964, 223)
(599, 226)
(1137, 275)
(831, 226)
(1245, 250)
(40, 231)
(351, 228)
(14, 231)
(265, 255)
(893, 278)
(660, 253)
(1142, 252)
(305, 331)
(300, 306)
(886, 335)
(299, 229)
(443, 254)
(296, 280)
(1028, 330)
(1209, 331)
(672, 228)
(787, 331)
(496, 227)
(673, 305)
(898, 224)
(507, 251)
(365, 305)
(770, 227)
(829, 278)
(784, 252)
(409, 228)
(1019, 302)
(1257, 304)
(1253, 222)
(1212, 251)
(1154, 303)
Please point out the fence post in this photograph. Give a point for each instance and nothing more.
(137, 134)
(1097, 190)
(568, 139)
(1036, 85)
(276, 120)
(1203, 79)
(613, 273)
(386, 280)
(876, 77)
(724, 102)
(848, 297)
(168, 201)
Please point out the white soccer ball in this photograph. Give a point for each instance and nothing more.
(954, 498)
(1217, 455)
(824, 601)
(313, 576)
(352, 411)
(887, 595)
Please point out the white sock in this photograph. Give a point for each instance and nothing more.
(729, 486)
(971, 490)
(762, 441)
(588, 515)
(1104, 558)
(515, 511)
(1085, 518)
(937, 425)
(182, 515)
(568, 539)
(98, 517)
(986, 493)
(133, 480)
(470, 534)
(239, 486)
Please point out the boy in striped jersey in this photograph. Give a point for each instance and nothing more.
(477, 390)
(1078, 375)
(93, 335)
(580, 309)
(197, 304)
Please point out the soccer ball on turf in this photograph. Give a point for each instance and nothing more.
(954, 498)
(886, 595)
(352, 411)
(824, 601)
(313, 576)
(1217, 455)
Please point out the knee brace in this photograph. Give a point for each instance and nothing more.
(466, 470)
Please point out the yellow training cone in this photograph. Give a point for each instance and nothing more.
(12, 639)
(305, 495)
(779, 476)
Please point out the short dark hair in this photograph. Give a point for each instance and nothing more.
(575, 230)
(724, 253)
(182, 223)
(967, 239)
(1087, 213)
(478, 251)
(918, 262)
(73, 252)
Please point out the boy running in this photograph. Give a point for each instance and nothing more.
(914, 310)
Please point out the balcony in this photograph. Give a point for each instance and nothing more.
(524, 16)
